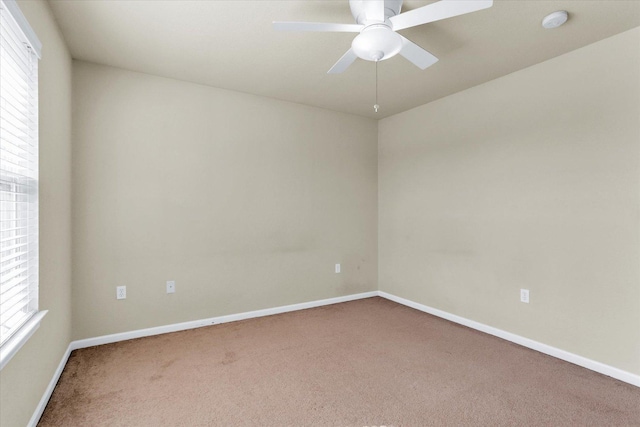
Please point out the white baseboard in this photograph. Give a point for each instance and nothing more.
(593, 365)
(33, 422)
(525, 342)
(107, 339)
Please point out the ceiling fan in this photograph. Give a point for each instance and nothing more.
(378, 22)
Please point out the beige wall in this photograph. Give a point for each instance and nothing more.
(246, 202)
(24, 379)
(528, 181)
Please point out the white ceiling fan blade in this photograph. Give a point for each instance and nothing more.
(417, 55)
(343, 63)
(436, 11)
(316, 26)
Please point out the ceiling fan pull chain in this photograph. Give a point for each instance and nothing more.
(376, 106)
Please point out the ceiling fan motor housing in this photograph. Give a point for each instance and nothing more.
(362, 10)
(377, 41)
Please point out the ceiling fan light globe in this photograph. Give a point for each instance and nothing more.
(377, 40)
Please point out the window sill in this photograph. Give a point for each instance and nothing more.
(15, 343)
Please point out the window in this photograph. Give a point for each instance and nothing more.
(19, 53)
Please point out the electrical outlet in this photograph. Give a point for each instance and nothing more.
(171, 286)
(337, 268)
(524, 295)
(121, 292)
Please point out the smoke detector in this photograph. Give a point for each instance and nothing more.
(555, 19)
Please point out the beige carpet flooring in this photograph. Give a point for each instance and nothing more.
(364, 363)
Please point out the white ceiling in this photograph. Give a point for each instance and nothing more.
(230, 44)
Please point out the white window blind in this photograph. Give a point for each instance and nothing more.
(18, 172)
